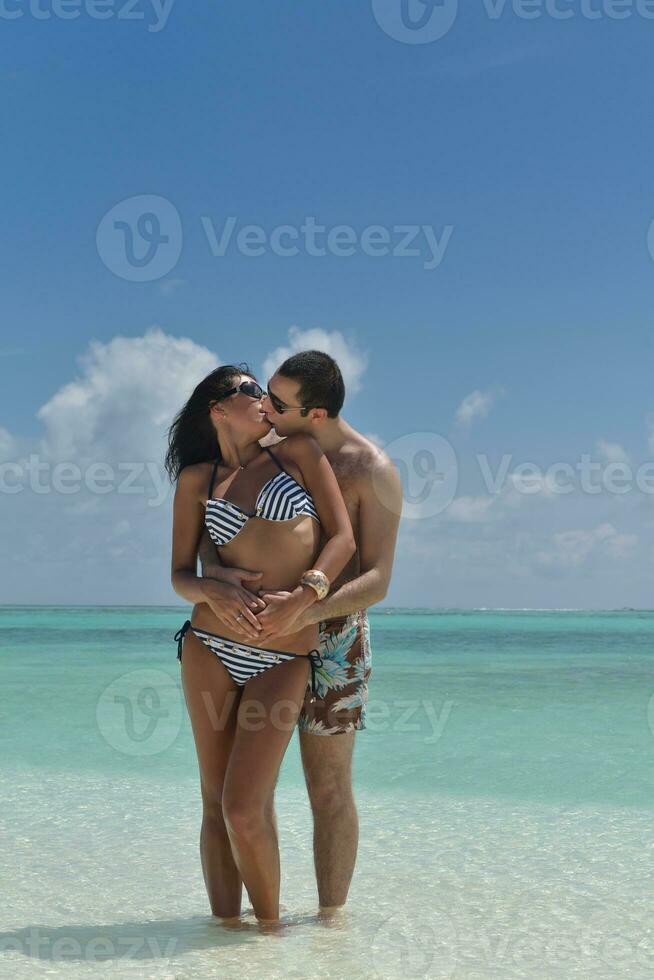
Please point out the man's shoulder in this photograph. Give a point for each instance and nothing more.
(362, 455)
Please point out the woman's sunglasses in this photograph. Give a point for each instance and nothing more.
(249, 388)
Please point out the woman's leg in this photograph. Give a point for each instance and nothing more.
(212, 701)
(267, 716)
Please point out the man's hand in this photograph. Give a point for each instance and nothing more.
(235, 606)
(282, 614)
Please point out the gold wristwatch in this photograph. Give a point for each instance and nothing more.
(317, 581)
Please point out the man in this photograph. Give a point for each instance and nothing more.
(306, 394)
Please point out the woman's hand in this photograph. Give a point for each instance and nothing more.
(283, 612)
(234, 606)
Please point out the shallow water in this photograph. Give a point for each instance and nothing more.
(504, 785)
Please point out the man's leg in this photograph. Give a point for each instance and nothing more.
(328, 723)
(327, 765)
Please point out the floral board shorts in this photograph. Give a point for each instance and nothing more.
(342, 681)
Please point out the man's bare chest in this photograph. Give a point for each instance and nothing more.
(350, 482)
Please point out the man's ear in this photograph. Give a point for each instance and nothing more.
(318, 414)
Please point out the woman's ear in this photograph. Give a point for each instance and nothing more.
(216, 411)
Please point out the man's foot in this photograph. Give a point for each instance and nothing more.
(331, 915)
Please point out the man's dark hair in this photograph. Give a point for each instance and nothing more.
(320, 380)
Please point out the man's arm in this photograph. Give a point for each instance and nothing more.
(379, 518)
(210, 562)
(212, 567)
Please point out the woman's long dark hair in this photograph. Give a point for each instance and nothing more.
(192, 436)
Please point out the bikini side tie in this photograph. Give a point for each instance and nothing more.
(179, 637)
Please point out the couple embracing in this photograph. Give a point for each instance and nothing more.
(296, 539)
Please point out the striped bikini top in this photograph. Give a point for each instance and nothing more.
(282, 498)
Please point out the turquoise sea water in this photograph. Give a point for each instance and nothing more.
(505, 787)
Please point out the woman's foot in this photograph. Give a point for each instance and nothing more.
(272, 927)
(229, 921)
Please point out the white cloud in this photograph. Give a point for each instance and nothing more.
(477, 405)
(352, 362)
(6, 444)
(171, 285)
(375, 439)
(571, 549)
(518, 490)
(611, 452)
(470, 510)
(122, 404)
(83, 545)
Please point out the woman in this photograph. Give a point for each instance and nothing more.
(264, 510)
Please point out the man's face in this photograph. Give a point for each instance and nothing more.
(282, 405)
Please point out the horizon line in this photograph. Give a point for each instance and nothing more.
(371, 609)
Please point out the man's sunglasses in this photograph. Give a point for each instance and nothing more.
(249, 388)
(281, 407)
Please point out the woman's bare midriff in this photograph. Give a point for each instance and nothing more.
(282, 551)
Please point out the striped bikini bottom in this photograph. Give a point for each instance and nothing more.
(243, 661)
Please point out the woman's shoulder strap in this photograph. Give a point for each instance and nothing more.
(274, 456)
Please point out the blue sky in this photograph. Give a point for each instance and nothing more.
(529, 139)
